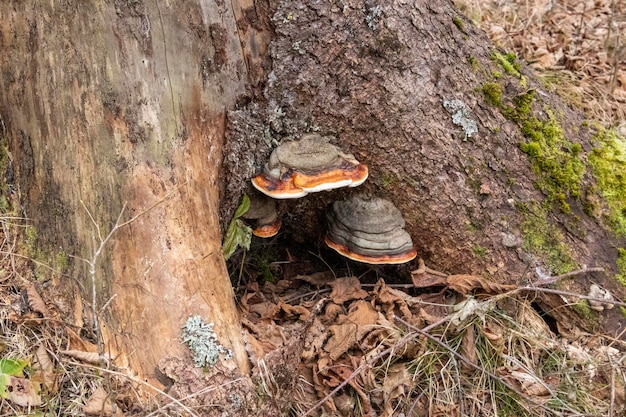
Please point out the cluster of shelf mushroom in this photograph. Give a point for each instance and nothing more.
(363, 228)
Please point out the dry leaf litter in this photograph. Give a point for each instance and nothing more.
(577, 46)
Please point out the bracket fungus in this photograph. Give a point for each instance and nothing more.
(308, 165)
(263, 211)
(369, 229)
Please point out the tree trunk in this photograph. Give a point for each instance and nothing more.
(106, 103)
(377, 76)
(118, 108)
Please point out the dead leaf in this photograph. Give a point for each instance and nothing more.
(99, 404)
(265, 309)
(362, 313)
(468, 348)
(77, 343)
(398, 381)
(421, 279)
(425, 317)
(89, 357)
(351, 328)
(531, 385)
(343, 338)
(364, 316)
(24, 392)
(391, 299)
(35, 302)
(340, 372)
(270, 335)
(44, 369)
(295, 310)
(322, 389)
(346, 289)
(332, 311)
(318, 278)
(465, 284)
(493, 333)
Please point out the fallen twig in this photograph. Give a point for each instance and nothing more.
(568, 294)
(552, 280)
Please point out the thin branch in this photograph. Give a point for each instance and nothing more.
(97, 251)
(552, 280)
(612, 403)
(149, 209)
(568, 294)
(92, 271)
(93, 221)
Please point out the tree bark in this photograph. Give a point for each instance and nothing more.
(119, 104)
(375, 76)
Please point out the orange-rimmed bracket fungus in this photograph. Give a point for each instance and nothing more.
(263, 212)
(308, 165)
(369, 229)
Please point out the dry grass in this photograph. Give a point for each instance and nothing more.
(35, 333)
(500, 359)
(578, 47)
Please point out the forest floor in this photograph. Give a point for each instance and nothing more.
(577, 47)
(441, 345)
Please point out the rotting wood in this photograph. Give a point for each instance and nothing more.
(132, 110)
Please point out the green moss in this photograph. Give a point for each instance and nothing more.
(32, 249)
(621, 266)
(479, 251)
(555, 160)
(523, 104)
(5, 159)
(493, 94)
(623, 310)
(608, 165)
(509, 64)
(388, 180)
(46, 261)
(458, 23)
(545, 241)
(61, 261)
(496, 74)
(474, 63)
(583, 309)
